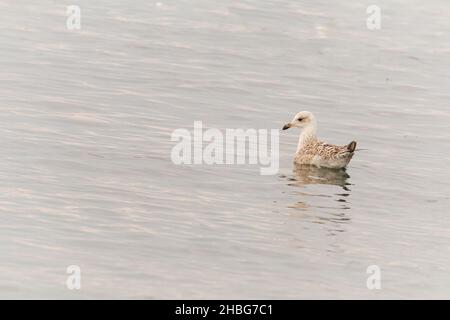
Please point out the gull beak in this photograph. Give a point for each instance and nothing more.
(286, 126)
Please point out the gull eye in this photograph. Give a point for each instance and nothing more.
(300, 119)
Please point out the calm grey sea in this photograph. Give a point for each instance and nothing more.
(87, 179)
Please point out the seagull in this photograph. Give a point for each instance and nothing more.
(312, 151)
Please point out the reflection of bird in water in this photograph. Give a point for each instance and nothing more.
(318, 206)
(307, 174)
(312, 151)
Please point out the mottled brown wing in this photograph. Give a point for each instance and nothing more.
(329, 151)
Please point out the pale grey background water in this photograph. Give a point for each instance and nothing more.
(86, 118)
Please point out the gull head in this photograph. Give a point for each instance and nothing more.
(301, 120)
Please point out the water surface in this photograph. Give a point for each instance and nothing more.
(86, 118)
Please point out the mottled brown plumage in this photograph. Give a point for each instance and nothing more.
(312, 151)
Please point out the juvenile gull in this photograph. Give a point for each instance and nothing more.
(312, 151)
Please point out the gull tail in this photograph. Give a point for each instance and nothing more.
(351, 146)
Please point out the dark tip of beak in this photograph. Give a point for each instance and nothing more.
(287, 126)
